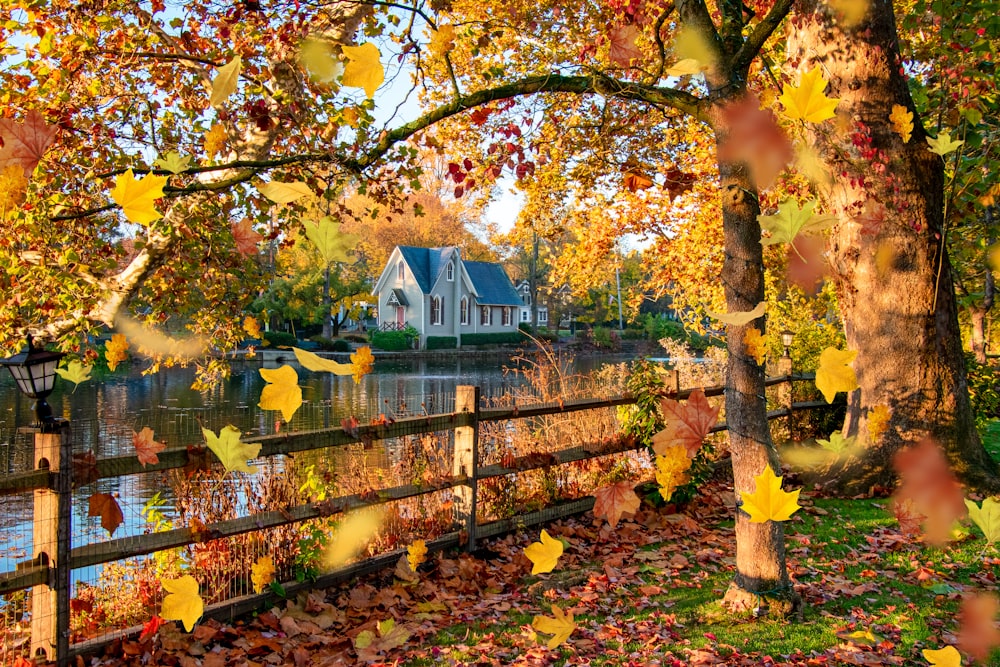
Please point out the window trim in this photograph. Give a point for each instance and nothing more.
(401, 270)
(449, 272)
(437, 310)
(464, 311)
(485, 316)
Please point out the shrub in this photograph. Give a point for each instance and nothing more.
(605, 338)
(394, 340)
(331, 345)
(497, 338)
(982, 392)
(442, 342)
(280, 339)
(357, 338)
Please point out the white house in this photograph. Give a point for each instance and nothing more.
(524, 290)
(439, 294)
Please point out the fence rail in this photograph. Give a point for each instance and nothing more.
(48, 574)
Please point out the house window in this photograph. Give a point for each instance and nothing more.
(485, 316)
(525, 315)
(543, 316)
(464, 310)
(450, 272)
(505, 317)
(437, 310)
(401, 270)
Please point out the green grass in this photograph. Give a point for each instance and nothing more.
(991, 439)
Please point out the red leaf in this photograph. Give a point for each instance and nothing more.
(928, 484)
(459, 191)
(806, 263)
(467, 163)
(85, 469)
(150, 628)
(245, 237)
(146, 448)
(23, 144)
(623, 49)
(677, 182)
(686, 424)
(105, 506)
(755, 138)
(480, 116)
(977, 633)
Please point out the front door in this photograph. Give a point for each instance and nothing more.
(399, 316)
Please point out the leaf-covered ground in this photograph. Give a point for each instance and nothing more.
(645, 593)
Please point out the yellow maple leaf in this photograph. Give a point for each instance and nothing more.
(442, 40)
(362, 362)
(316, 55)
(942, 144)
(215, 139)
(352, 535)
(314, 362)
(545, 554)
(363, 68)
(233, 453)
(768, 502)
(902, 122)
(810, 164)
(807, 101)
(986, 517)
(262, 573)
(790, 220)
(75, 372)
(835, 373)
(281, 192)
(282, 391)
(13, 189)
(115, 350)
(183, 602)
(251, 326)
(689, 44)
(850, 12)
(416, 554)
(739, 318)
(560, 625)
(671, 469)
(138, 196)
(943, 657)
(755, 344)
(878, 421)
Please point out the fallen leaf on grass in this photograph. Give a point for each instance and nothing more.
(560, 625)
(986, 517)
(943, 657)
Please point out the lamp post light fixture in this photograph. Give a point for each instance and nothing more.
(786, 339)
(34, 370)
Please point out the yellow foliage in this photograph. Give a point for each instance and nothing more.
(262, 573)
(756, 344)
(768, 502)
(807, 101)
(13, 187)
(671, 470)
(215, 140)
(116, 350)
(362, 362)
(902, 122)
(442, 40)
(363, 68)
(138, 196)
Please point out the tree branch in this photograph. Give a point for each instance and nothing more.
(761, 33)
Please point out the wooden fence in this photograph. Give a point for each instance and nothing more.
(47, 576)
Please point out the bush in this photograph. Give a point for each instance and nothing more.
(442, 342)
(657, 327)
(280, 339)
(498, 338)
(982, 392)
(632, 333)
(331, 345)
(394, 340)
(357, 338)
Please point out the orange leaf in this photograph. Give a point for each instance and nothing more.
(23, 144)
(245, 237)
(614, 500)
(145, 447)
(755, 137)
(928, 484)
(623, 48)
(977, 631)
(635, 181)
(105, 506)
(687, 424)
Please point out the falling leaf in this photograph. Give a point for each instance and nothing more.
(224, 83)
(332, 243)
(689, 44)
(807, 101)
(115, 351)
(560, 625)
(146, 448)
(943, 144)
(13, 189)
(251, 326)
(755, 344)
(835, 373)
(314, 362)
(138, 197)
(943, 657)
(262, 573)
(363, 68)
(614, 500)
(809, 163)
(150, 628)
(872, 217)
(23, 144)
(85, 468)
(105, 506)
(352, 535)
(884, 258)
(792, 220)
(806, 263)
(284, 193)
(754, 136)
(75, 371)
(316, 55)
(671, 470)
(362, 363)
(739, 318)
(686, 424)
(878, 421)
(245, 237)
(685, 67)
(850, 12)
(977, 632)
(215, 139)
(231, 452)
(622, 40)
(183, 602)
(282, 391)
(768, 502)
(926, 480)
(416, 554)
(986, 517)
(634, 182)
(837, 442)
(173, 162)
(544, 554)
(442, 40)
(902, 122)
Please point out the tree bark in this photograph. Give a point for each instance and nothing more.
(894, 281)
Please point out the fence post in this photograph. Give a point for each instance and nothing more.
(51, 535)
(785, 388)
(466, 461)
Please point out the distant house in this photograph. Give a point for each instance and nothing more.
(524, 290)
(439, 294)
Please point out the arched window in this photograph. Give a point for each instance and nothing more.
(450, 272)
(437, 310)
(505, 317)
(484, 316)
(401, 270)
(464, 310)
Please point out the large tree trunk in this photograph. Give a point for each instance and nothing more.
(894, 285)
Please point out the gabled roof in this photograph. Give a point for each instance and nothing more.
(426, 264)
(492, 285)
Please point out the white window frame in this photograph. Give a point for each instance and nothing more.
(485, 316)
(437, 310)
(401, 270)
(464, 311)
(543, 316)
(449, 272)
(505, 316)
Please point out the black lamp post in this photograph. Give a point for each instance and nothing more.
(34, 370)
(786, 339)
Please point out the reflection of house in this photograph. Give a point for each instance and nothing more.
(524, 290)
(437, 293)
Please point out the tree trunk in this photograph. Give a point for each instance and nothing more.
(978, 316)
(328, 326)
(894, 281)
